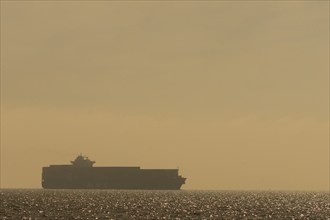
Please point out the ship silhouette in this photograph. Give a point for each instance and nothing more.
(81, 174)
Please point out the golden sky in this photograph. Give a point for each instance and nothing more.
(235, 94)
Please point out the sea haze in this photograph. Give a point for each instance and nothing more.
(117, 204)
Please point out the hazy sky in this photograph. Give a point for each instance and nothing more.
(235, 94)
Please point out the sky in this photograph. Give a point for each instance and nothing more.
(234, 94)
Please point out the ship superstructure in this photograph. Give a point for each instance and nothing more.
(81, 174)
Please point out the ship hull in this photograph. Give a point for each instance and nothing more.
(70, 177)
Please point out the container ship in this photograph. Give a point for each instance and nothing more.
(81, 174)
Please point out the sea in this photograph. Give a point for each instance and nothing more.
(144, 204)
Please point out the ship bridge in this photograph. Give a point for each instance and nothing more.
(82, 161)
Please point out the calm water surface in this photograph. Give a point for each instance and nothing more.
(116, 204)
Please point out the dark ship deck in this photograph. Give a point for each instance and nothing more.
(82, 175)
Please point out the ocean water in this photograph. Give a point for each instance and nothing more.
(184, 204)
